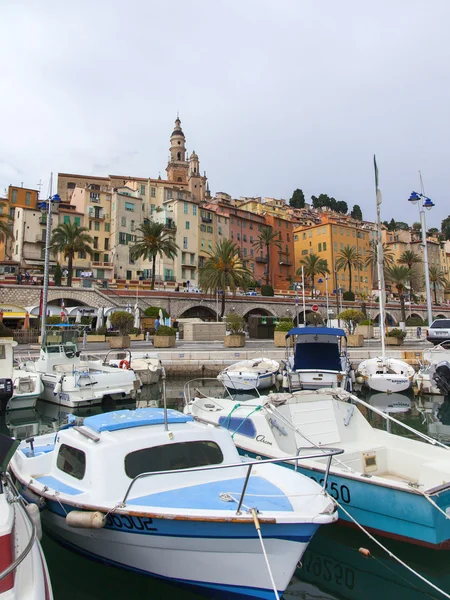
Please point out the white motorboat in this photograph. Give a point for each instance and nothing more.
(431, 357)
(152, 491)
(69, 381)
(384, 374)
(253, 374)
(317, 359)
(23, 569)
(396, 486)
(24, 389)
(146, 365)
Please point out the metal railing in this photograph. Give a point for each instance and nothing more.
(330, 452)
(187, 388)
(6, 480)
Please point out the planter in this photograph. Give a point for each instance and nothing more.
(95, 338)
(119, 341)
(137, 338)
(235, 340)
(279, 339)
(164, 341)
(366, 331)
(393, 341)
(355, 340)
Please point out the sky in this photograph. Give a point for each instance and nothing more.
(273, 95)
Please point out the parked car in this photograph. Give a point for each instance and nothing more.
(439, 331)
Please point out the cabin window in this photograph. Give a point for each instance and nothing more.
(71, 461)
(243, 426)
(2, 352)
(183, 455)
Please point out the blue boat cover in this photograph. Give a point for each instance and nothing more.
(317, 331)
(125, 419)
(324, 357)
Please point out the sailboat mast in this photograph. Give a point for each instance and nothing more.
(380, 264)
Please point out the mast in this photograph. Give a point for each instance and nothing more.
(380, 261)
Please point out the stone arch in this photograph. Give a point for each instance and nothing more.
(440, 316)
(259, 312)
(199, 311)
(390, 320)
(69, 302)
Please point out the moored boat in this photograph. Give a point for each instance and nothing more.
(252, 374)
(146, 365)
(386, 374)
(21, 390)
(172, 499)
(395, 486)
(431, 357)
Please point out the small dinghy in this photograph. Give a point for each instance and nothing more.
(23, 570)
(386, 374)
(395, 486)
(146, 365)
(255, 374)
(155, 492)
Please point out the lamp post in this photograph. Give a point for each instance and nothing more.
(46, 207)
(326, 293)
(297, 287)
(424, 202)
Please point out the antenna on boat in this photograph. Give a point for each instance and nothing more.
(163, 377)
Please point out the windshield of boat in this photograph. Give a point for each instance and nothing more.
(67, 338)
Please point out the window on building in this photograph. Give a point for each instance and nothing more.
(335, 246)
(341, 245)
(77, 221)
(188, 225)
(132, 226)
(129, 206)
(202, 244)
(220, 230)
(210, 245)
(238, 236)
(28, 199)
(14, 196)
(324, 246)
(320, 246)
(186, 208)
(244, 237)
(82, 255)
(66, 219)
(96, 242)
(142, 190)
(96, 225)
(122, 238)
(169, 194)
(341, 231)
(96, 257)
(348, 232)
(106, 258)
(123, 221)
(185, 243)
(245, 251)
(194, 210)
(107, 227)
(129, 275)
(106, 244)
(153, 192)
(209, 229)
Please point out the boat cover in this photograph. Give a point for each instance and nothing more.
(125, 419)
(316, 331)
(321, 356)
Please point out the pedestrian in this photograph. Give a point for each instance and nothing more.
(156, 324)
(27, 277)
(419, 332)
(19, 278)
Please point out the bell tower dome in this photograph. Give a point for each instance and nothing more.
(178, 167)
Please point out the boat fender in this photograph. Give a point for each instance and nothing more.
(58, 386)
(280, 377)
(35, 515)
(360, 380)
(364, 552)
(352, 375)
(285, 381)
(85, 519)
(33, 498)
(124, 364)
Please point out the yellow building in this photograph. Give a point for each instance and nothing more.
(326, 240)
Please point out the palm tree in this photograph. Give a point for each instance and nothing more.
(313, 265)
(267, 238)
(372, 257)
(437, 278)
(69, 238)
(399, 276)
(409, 258)
(222, 269)
(348, 258)
(153, 239)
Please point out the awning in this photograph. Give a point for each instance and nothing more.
(16, 315)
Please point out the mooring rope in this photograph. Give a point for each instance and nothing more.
(258, 529)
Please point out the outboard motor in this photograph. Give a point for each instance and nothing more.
(6, 389)
(441, 377)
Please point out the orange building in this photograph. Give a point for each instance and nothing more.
(281, 267)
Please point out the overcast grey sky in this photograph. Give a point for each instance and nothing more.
(272, 94)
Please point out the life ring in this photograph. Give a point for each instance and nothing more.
(124, 364)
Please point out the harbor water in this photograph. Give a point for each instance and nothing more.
(333, 566)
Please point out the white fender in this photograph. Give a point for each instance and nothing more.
(85, 519)
(35, 515)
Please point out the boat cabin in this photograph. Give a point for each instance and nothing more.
(318, 348)
(6, 368)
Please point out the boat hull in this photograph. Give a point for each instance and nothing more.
(246, 382)
(80, 397)
(316, 380)
(387, 382)
(403, 515)
(22, 401)
(223, 558)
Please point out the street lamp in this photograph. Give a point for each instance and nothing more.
(326, 293)
(46, 207)
(297, 287)
(425, 202)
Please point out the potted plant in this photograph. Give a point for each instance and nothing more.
(283, 326)
(395, 337)
(98, 336)
(235, 337)
(123, 321)
(365, 328)
(165, 337)
(351, 318)
(136, 335)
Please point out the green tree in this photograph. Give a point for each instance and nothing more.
(313, 265)
(265, 240)
(349, 258)
(433, 232)
(372, 258)
(356, 212)
(122, 320)
(341, 207)
(445, 228)
(57, 275)
(70, 238)
(351, 318)
(153, 239)
(417, 226)
(330, 202)
(298, 199)
(437, 279)
(399, 276)
(409, 258)
(224, 269)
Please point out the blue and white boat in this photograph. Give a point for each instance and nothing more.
(172, 498)
(316, 358)
(251, 374)
(395, 486)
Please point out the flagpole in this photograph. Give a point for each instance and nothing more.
(380, 261)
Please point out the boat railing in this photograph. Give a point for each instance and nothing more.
(200, 381)
(330, 452)
(232, 387)
(5, 477)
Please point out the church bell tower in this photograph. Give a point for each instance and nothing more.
(178, 167)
